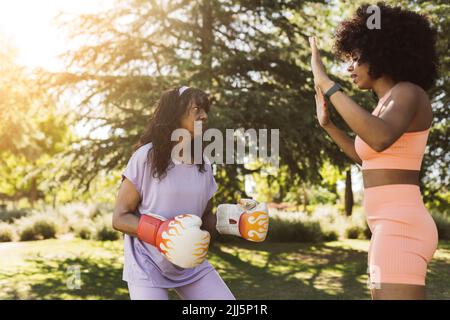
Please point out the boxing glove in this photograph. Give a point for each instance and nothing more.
(248, 219)
(179, 239)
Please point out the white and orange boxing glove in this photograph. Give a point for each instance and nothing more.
(179, 239)
(248, 219)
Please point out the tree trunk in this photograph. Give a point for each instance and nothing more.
(207, 40)
(33, 192)
(305, 198)
(348, 193)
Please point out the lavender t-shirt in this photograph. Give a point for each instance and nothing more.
(183, 190)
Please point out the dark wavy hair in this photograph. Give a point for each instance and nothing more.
(164, 120)
(403, 49)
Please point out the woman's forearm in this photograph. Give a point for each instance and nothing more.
(126, 222)
(209, 221)
(124, 219)
(346, 143)
(362, 122)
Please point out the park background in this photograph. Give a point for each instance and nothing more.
(78, 82)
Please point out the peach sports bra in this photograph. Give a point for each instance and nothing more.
(405, 153)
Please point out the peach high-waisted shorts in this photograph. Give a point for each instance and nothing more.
(404, 235)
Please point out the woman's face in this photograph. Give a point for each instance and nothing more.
(359, 72)
(193, 113)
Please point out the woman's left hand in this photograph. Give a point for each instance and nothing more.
(320, 76)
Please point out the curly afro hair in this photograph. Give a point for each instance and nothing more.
(403, 48)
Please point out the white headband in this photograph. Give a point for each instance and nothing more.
(182, 89)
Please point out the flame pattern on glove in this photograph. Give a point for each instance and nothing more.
(254, 226)
(174, 244)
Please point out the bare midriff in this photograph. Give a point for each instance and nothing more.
(381, 177)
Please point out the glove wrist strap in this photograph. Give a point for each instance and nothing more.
(148, 228)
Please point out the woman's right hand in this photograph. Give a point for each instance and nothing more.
(321, 108)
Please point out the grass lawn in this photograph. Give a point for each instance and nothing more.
(331, 270)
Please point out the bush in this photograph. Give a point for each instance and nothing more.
(443, 225)
(325, 223)
(37, 227)
(330, 235)
(74, 213)
(367, 233)
(86, 221)
(71, 215)
(100, 210)
(84, 230)
(293, 227)
(298, 231)
(354, 232)
(7, 232)
(104, 230)
(10, 216)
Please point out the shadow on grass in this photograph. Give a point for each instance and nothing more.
(273, 271)
(248, 281)
(438, 276)
(58, 279)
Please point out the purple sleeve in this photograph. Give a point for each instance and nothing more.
(135, 169)
(212, 186)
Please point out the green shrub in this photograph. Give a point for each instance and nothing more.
(330, 235)
(298, 231)
(10, 216)
(37, 227)
(354, 232)
(104, 230)
(325, 223)
(84, 230)
(100, 210)
(73, 213)
(367, 233)
(7, 232)
(290, 227)
(443, 225)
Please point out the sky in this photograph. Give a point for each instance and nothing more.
(28, 25)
